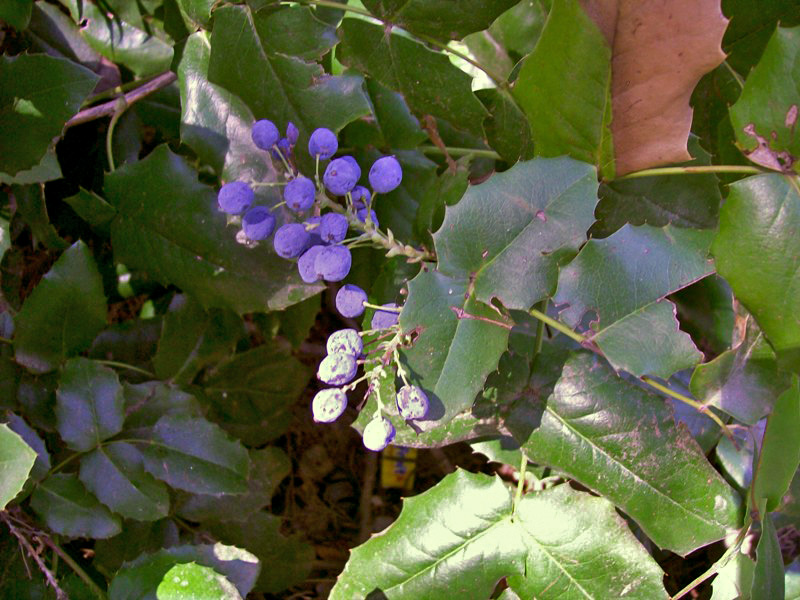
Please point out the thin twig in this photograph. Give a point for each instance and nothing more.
(109, 108)
(700, 170)
(23, 541)
(462, 314)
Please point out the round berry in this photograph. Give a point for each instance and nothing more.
(362, 216)
(264, 133)
(290, 240)
(385, 174)
(322, 143)
(378, 434)
(258, 223)
(384, 319)
(299, 194)
(350, 300)
(306, 265)
(328, 405)
(292, 133)
(333, 263)
(347, 341)
(340, 177)
(353, 163)
(412, 402)
(235, 197)
(333, 228)
(337, 368)
(360, 195)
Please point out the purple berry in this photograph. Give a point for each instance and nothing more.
(285, 150)
(350, 300)
(333, 228)
(340, 177)
(306, 265)
(353, 163)
(264, 133)
(322, 143)
(384, 319)
(362, 216)
(328, 405)
(360, 195)
(412, 402)
(347, 341)
(258, 223)
(290, 240)
(235, 197)
(333, 263)
(299, 194)
(292, 133)
(337, 369)
(378, 434)
(385, 174)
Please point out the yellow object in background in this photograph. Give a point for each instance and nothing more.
(397, 467)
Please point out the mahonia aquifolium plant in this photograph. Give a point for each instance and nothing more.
(324, 209)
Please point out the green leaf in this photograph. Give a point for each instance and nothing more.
(591, 429)
(194, 455)
(122, 42)
(16, 461)
(140, 578)
(444, 358)
(768, 578)
(63, 314)
(751, 27)
(705, 311)
(146, 403)
(275, 85)
(780, 451)
(93, 209)
(252, 393)
(16, 13)
(569, 115)
(195, 252)
(38, 94)
(33, 210)
(755, 252)
(792, 581)
(115, 474)
(269, 466)
(296, 31)
(441, 19)
(426, 79)
(518, 29)
(135, 538)
(32, 439)
(743, 381)
(192, 339)
(69, 509)
(90, 405)
(47, 170)
(197, 11)
(649, 263)
(734, 580)
(765, 116)
(191, 581)
(297, 321)
(507, 127)
(511, 234)
(287, 561)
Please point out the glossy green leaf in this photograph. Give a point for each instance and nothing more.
(648, 263)
(33, 210)
(16, 13)
(443, 359)
(92, 208)
(197, 11)
(63, 314)
(252, 393)
(195, 455)
(768, 578)
(297, 321)
(765, 116)
(196, 252)
(751, 27)
(735, 578)
(268, 467)
(518, 29)
(16, 461)
(510, 235)
(192, 339)
(191, 581)
(136, 537)
(737, 461)
(47, 170)
(705, 311)
(441, 19)
(275, 85)
(89, 405)
(38, 93)
(115, 474)
(286, 561)
(755, 252)
(426, 79)
(29, 435)
(296, 31)
(779, 457)
(743, 381)
(591, 428)
(446, 190)
(146, 403)
(792, 581)
(140, 578)
(569, 115)
(507, 127)
(67, 508)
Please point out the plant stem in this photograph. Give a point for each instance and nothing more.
(735, 75)
(557, 325)
(382, 308)
(523, 467)
(121, 107)
(122, 365)
(6, 341)
(118, 90)
(539, 339)
(64, 463)
(692, 171)
(76, 568)
(460, 151)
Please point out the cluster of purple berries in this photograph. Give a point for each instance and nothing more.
(317, 240)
